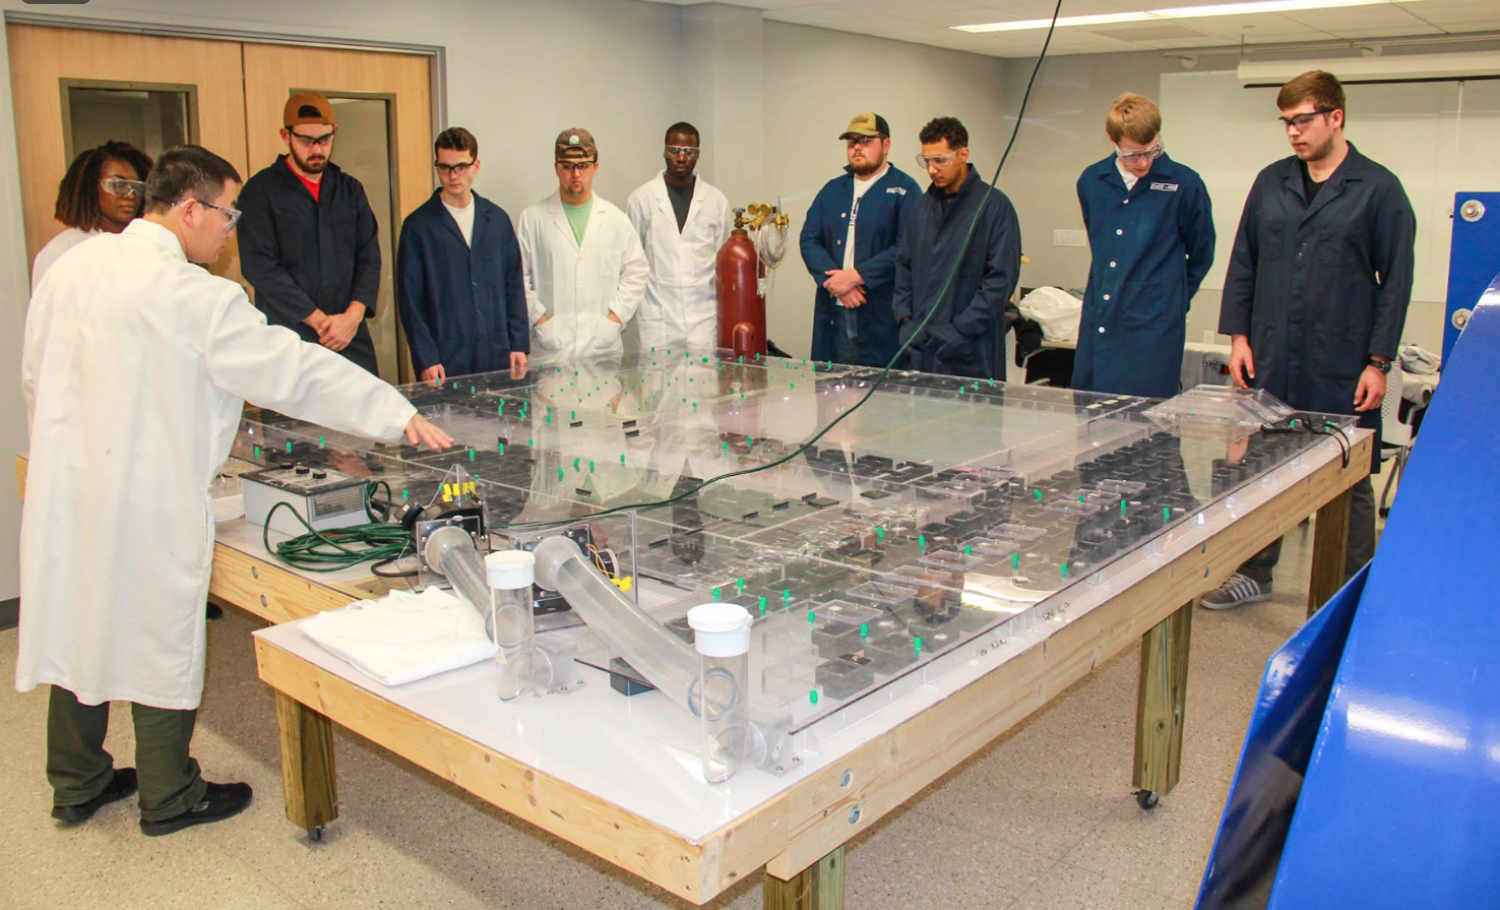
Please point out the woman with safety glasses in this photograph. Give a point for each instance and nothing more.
(101, 192)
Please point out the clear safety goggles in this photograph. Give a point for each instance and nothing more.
(230, 213)
(1150, 154)
(681, 151)
(576, 165)
(123, 187)
(926, 161)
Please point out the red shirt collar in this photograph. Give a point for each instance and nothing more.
(312, 186)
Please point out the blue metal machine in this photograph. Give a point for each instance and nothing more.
(1395, 802)
(1473, 259)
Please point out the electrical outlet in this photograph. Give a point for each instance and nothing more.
(1069, 238)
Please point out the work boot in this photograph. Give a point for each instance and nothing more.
(1236, 591)
(219, 802)
(119, 787)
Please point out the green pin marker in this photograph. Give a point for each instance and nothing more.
(549, 418)
(622, 458)
(880, 534)
(864, 632)
(716, 593)
(1038, 493)
(502, 448)
(1166, 513)
(968, 551)
(1122, 508)
(812, 616)
(794, 385)
(1015, 561)
(812, 696)
(724, 446)
(740, 583)
(406, 494)
(749, 440)
(471, 454)
(921, 541)
(575, 416)
(322, 442)
(472, 390)
(763, 606)
(591, 467)
(257, 451)
(289, 447)
(559, 473)
(917, 644)
(575, 463)
(786, 593)
(531, 442)
(1062, 570)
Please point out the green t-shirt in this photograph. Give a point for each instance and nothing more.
(578, 217)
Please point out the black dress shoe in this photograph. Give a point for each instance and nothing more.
(119, 787)
(219, 802)
(213, 611)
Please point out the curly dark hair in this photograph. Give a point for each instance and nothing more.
(78, 193)
(948, 128)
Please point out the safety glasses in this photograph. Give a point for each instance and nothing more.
(926, 161)
(1150, 154)
(231, 214)
(123, 187)
(576, 165)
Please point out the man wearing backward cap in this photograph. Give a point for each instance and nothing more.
(308, 240)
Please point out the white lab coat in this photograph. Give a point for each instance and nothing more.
(135, 368)
(681, 306)
(578, 285)
(48, 255)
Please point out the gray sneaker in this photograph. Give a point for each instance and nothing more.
(1236, 591)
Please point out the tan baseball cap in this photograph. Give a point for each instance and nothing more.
(307, 107)
(576, 143)
(867, 124)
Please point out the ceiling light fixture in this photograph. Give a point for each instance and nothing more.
(1246, 8)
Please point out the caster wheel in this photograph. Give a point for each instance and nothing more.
(1147, 799)
(315, 834)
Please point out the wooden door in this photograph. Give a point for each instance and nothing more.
(45, 62)
(376, 95)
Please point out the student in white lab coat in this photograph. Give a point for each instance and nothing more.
(584, 267)
(135, 368)
(682, 222)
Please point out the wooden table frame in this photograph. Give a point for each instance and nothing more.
(798, 836)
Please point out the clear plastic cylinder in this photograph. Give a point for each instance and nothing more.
(511, 574)
(720, 694)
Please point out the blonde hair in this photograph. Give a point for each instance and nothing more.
(1133, 116)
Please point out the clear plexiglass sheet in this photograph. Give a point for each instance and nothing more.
(939, 510)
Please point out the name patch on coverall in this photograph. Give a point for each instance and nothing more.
(1165, 187)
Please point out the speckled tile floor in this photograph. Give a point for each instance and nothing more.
(1044, 818)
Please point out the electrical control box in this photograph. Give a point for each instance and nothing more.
(324, 498)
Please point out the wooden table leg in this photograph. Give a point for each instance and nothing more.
(818, 887)
(1330, 547)
(307, 766)
(1161, 705)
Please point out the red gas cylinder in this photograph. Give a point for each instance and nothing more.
(742, 309)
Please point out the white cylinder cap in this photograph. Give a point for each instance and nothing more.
(509, 570)
(720, 630)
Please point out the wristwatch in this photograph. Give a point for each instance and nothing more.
(1383, 366)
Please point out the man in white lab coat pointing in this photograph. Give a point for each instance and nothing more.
(682, 221)
(135, 369)
(584, 268)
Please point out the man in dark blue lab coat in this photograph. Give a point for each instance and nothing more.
(962, 337)
(458, 274)
(1316, 293)
(855, 268)
(1151, 231)
(308, 239)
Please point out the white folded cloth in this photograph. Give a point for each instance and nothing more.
(1416, 359)
(403, 637)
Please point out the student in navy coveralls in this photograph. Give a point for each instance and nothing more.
(1151, 232)
(1316, 293)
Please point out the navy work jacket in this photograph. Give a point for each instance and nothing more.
(962, 338)
(1151, 245)
(303, 254)
(1320, 288)
(463, 305)
(881, 219)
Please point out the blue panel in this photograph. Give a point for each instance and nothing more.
(1401, 803)
(1474, 260)
(1279, 743)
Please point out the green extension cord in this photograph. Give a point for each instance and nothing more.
(339, 548)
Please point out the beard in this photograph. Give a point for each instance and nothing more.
(869, 166)
(315, 167)
(1319, 152)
